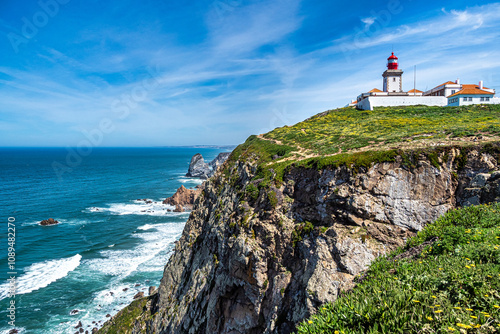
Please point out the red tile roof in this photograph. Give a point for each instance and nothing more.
(472, 86)
(375, 90)
(415, 91)
(471, 90)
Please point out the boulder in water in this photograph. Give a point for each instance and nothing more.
(48, 222)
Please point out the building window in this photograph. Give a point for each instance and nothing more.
(465, 98)
(482, 98)
(394, 79)
(488, 98)
(452, 91)
(470, 98)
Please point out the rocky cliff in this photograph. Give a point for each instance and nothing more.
(256, 260)
(273, 235)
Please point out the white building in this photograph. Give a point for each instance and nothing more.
(472, 94)
(447, 94)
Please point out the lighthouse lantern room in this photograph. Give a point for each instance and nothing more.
(393, 82)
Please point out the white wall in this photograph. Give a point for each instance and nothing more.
(393, 101)
(476, 99)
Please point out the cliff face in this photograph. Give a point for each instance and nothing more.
(258, 257)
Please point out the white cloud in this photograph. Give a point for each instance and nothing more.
(368, 21)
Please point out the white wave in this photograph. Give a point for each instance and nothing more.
(40, 275)
(190, 180)
(146, 227)
(146, 257)
(150, 208)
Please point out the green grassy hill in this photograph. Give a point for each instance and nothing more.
(446, 279)
(347, 129)
(360, 137)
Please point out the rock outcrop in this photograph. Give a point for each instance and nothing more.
(183, 199)
(48, 222)
(198, 167)
(258, 256)
(219, 160)
(483, 188)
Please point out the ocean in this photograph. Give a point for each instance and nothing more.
(109, 245)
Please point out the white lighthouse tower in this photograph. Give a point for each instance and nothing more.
(393, 82)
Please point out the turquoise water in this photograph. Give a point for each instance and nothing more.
(108, 246)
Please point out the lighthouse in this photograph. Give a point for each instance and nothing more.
(393, 82)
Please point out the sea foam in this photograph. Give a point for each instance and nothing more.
(138, 207)
(40, 275)
(146, 257)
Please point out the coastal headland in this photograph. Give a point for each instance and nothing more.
(295, 215)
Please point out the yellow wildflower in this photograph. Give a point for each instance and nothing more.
(438, 311)
(437, 305)
(416, 301)
(429, 318)
(467, 267)
(496, 306)
(457, 308)
(336, 332)
(433, 296)
(477, 326)
(463, 325)
(310, 321)
(486, 295)
(473, 317)
(451, 329)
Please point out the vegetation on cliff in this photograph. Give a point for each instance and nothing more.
(446, 279)
(358, 138)
(347, 129)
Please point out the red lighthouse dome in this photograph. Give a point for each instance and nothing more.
(392, 62)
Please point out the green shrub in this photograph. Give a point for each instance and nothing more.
(273, 199)
(252, 191)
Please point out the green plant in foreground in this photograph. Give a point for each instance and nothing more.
(451, 286)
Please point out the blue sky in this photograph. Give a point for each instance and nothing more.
(158, 73)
